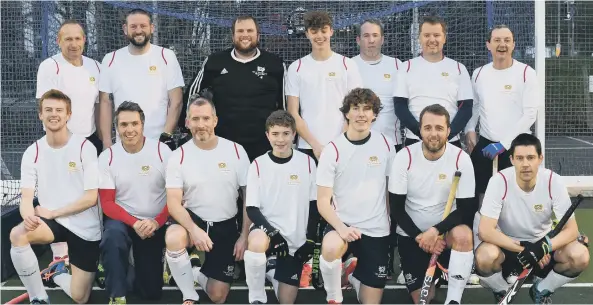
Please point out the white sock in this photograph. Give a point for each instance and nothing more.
(27, 267)
(460, 268)
(356, 284)
(270, 277)
(181, 270)
(332, 278)
(553, 281)
(495, 282)
(59, 249)
(200, 278)
(255, 276)
(63, 280)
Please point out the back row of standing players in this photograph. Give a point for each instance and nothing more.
(248, 85)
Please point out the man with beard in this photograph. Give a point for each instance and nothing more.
(78, 77)
(247, 86)
(419, 185)
(433, 78)
(206, 173)
(143, 73)
(133, 198)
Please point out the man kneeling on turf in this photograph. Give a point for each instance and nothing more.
(133, 198)
(516, 215)
(64, 168)
(280, 190)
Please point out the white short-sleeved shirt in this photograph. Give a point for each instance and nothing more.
(358, 175)
(321, 87)
(80, 84)
(522, 215)
(138, 179)
(283, 193)
(505, 102)
(427, 184)
(144, 79)
(381, 77)
(62, 176)
(426, 83)
(210, 179)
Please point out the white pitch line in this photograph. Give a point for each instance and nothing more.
(580, 140)
(388, 287)
(568, 148)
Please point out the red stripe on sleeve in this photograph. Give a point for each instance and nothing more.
(97, 64)
(36, 152)
(459, 68)
(479, 71)
(237, 151)
(163, 55)
(81, 146)
(57, 66)
(396, 65)
(505, 186)
(409, 155)
(110, 156)
(112, 209)
(309, 161)
(550, 185)
(386, 143)
(337, 152)
(299, 66)
(162, 217)
(256, 167)
(408, 66)
(159, 151)
(458, 156)
(344, 62)
(182, 155)
(525, 74)
(112, 58)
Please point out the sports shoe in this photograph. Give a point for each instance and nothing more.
(65, 258)
(100, 276)
(196, 265)
(540, 297)
(190, 302)
(498, 296)
(473, 279)
(333, 302)
(38, 301)
(306, 275)
(48, 274)
(347, 269)
(270, 265)
(117, 301)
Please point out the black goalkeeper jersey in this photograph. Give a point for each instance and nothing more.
(244, 93)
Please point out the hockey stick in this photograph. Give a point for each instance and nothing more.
(526, 272)
(316, 279)
(21, 298)
(433, 259)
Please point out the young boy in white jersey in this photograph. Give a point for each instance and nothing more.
(63, 167)
(419, 185)
(133, 198)
(351, 197)
(516, 216)
(280, 190)
(143, 73)
(203, 180)
(78, 77)
(505, 103)
(432, 78)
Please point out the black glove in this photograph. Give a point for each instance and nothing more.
(305, 252)
(186, 137)
(167, 139)
(278, 245)
(534, 252)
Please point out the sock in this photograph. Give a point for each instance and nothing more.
(553, 281)
(59, 249)
(63, 280)
(27, 267)
(200, 278)
(270, 277)
(495, 282)
(181, 270)
(460, 268)
(356, 284)
(332, 273)
(255, 276)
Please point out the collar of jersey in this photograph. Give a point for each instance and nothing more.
(244, 61)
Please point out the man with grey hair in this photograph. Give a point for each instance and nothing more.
(208, 218)
(133, 198)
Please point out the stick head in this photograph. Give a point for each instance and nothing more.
(458, 174)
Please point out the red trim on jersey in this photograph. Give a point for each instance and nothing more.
(457, 162)
(237, 151)
(525, 73)
(386, 143)
(110, 156)
(396, 141)
(36, 152)
(81, 146)
(459, 68)
(337, 152)
(159, 151)
(409, 155)
(256, 167)
(344, 62)
(550, 185)
(459, 107)
(182, 155)
(112, 58)
(114, 210)
(163, 55)
(299, 66)
(505, 186)
(97, 64)
(396, 65)
(479, 71)
(408, 66)
(162, 217)
(309, 161)
(57, 66)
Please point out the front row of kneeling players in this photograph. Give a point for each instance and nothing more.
(142, 181)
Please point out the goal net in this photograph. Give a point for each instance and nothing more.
(195, 29)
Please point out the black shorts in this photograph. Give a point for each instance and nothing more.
(219, 263)
(511, 265)
(373, 257)
(414, 262)
(409, 142)
(94, 138)
(483, 165)
(82, 253)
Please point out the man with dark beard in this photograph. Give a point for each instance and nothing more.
(247, 86)
(146, 74)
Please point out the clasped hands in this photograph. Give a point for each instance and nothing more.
(430, 242)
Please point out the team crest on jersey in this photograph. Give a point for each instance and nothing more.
(387, 76)
(538, 208)
(442, 177)
(152, 70)
(223, 167)
(72, 166)
(145, 170)
(374, 161)
(260, 72)
(444, 74)
(92, 80)
(508, 87)
(332, 76)
(294, 179)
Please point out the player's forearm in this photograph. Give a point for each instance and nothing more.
(106, 117)
(329, 214)
(259, 220)
(26, 208)
(246, 220)
(313, 221)
(180, 214)
(304, 132)
(497, 238)
(473, 121)
(525, 122)
(398, 212)
(88, 200)
(162, 217)
(462, 117)
(402, 111)
(112, 209)
(568, 234)
(174, 109)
